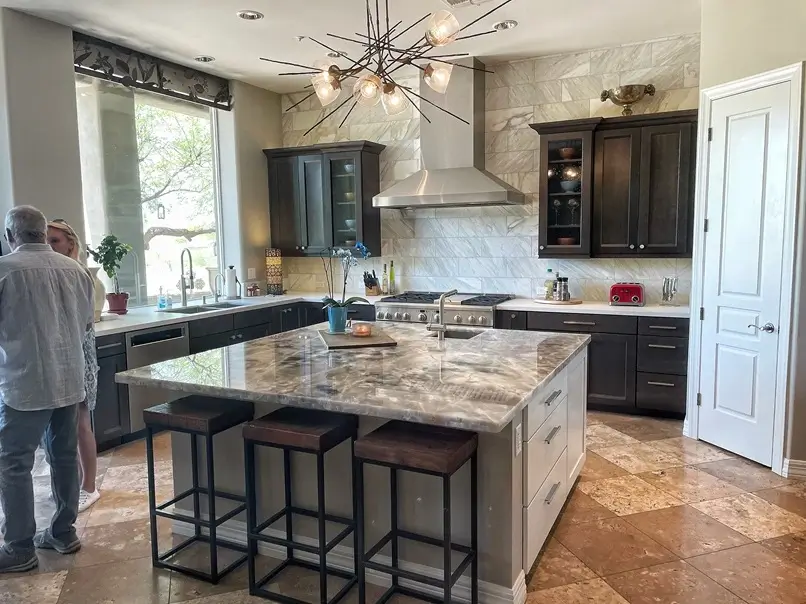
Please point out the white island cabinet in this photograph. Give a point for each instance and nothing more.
(553, 453)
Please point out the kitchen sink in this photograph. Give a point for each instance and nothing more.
(222, 305)
(457, 334)
(187, 310)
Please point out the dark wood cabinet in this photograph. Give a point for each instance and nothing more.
(110, 420)
(321, 197)
(286, 318)
(510, 319)
(636, 191)
(612, 371)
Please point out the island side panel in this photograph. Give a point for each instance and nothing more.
(420, 497)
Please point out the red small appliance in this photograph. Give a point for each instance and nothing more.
(626, 294)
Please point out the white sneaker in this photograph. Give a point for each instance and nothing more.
(87, 500)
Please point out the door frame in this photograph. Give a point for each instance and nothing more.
(793, 236)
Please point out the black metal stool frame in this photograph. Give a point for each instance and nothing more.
(471, 558)
(211, 524)
(254, 531)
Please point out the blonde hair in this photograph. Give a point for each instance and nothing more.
(71, 235)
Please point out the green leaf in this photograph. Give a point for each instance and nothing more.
(355, 299)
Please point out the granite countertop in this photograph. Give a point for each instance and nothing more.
(598, 308)
(477, 384)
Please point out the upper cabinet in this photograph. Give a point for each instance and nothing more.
(641, 196)
(321, 197)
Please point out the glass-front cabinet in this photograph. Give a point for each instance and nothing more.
(327, 200)
(566, 176)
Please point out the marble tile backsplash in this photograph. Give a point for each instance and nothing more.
(495, 249)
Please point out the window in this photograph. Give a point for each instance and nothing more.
(149, 177)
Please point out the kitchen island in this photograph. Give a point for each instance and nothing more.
(524, 392)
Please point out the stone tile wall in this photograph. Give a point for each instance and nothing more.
(495, 249)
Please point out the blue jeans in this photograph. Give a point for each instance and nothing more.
(20, 434)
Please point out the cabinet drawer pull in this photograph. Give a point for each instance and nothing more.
(553, 397)
(662, 346)
(553, 493)
(552, 434)
(108, 346)
(587, 323)
(665, 327)
(664, 384)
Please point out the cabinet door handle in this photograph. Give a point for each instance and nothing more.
(552, 434)
(552, 493)
(632, 247)
(642, 246)
(240, 336)
(553, 397)
(513, 316)
(587, 323)
(663, 346)
(664, 384)
(108, 346)
(232, 337)
(664, 327)
(542, 247)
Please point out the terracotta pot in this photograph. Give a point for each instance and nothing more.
(118, 302)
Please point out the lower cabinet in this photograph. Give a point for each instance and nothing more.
(110, 420)
(611, 375)
(577, 416)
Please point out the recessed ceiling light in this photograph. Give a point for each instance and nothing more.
(505, 25)
(336, 54)
(249, 15)
(204, 59)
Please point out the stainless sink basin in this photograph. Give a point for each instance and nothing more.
(222, 305)
(457, 334)
(187, 310)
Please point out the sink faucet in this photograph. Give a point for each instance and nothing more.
(440, 328)
(184, 286)
(218, 292)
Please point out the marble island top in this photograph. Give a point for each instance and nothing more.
(477, 384)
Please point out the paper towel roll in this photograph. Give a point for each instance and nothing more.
(231, 280)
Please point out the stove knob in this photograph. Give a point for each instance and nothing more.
(398, 316)
(436, 318)
(457, 318)
(471, 319)
(422, 317)
(406, 316)
(380, 316)
(482, 320)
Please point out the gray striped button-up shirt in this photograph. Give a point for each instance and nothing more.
(46, 304)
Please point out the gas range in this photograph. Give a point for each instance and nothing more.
(423, 307)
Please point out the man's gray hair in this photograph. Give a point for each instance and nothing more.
(27, 224)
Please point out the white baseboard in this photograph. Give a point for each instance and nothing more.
(794, 468)
(341, 557)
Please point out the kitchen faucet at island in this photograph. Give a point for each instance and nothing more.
(182, 284)
(440, 327)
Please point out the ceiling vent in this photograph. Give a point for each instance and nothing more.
(463, 3)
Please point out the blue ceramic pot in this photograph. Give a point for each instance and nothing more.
(337, 319)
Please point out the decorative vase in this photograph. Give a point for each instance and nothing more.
(118, 302)
(337, 319)
(100, 292)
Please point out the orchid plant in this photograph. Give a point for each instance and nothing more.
(348, 257)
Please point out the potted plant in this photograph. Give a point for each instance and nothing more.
(337, 311)
(108, 254)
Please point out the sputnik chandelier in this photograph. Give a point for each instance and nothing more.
(371, 75)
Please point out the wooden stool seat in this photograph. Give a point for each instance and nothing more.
(418, 447)
(199, 414)
(307, 429)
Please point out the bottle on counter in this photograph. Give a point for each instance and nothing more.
(392, 284)
(549, 284)
(162, 301)
(384, 281)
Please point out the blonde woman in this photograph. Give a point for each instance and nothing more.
(64, 240)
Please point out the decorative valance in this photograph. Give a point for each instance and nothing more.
(134, 69)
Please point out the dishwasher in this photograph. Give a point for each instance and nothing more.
(146, 347)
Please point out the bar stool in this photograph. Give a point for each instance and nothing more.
(306, 431)
(196, 416)
(431, 450)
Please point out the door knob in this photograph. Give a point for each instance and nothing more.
(767, 327)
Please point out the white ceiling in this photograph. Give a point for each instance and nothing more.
(182, 29)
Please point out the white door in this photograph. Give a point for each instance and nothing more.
(744, 246)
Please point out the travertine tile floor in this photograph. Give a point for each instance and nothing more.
(655, 518)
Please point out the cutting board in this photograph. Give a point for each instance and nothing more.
(345, 341)
(558, 302)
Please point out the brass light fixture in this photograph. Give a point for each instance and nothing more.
(382, 56)
(627, 96)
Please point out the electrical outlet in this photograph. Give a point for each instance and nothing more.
(250, 273)
(518, 439)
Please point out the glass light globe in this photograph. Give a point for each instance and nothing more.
(442, 29)
(394, 101)
(327, 88)
(367, 90)
(438, 76)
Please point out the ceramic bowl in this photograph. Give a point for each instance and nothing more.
(567, 152)
(566, 241)
(350, 223)
(349, 168)
(569, 185)
(349, 196)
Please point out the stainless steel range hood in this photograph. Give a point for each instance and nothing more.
(452, 152)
